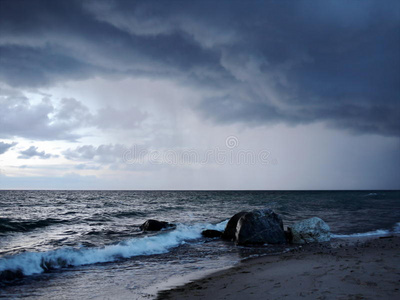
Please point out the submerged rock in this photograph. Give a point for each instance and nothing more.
(211, 233)
(260, 227)
(310, 230)
(154, 225)
(230, 229)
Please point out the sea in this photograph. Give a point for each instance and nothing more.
(88, 244)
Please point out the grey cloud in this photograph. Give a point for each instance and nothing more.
(34, 67)
(38, 49)
(47, 121)
(128, 118)
(4, 147)
(75, 114)
(356, 118)
(113, 156)
(106, 154)
(87, 167)
(19, 117)
(72, 109)
(275, 61)
(32, 151)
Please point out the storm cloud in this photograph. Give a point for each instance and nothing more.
(262, 62)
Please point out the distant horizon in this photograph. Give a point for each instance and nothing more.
(83, 190)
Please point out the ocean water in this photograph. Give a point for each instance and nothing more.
(88, 245)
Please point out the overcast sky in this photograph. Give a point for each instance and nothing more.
(111, 94)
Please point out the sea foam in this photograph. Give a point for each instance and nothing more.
(396, 229)
(30, 263)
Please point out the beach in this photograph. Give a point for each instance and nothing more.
(344, 269)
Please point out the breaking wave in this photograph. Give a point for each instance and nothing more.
(30, 263)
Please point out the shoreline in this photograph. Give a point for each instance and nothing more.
(355, 268)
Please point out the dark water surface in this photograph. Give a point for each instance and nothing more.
(87, 244)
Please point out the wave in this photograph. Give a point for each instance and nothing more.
(371, 194)
(396, 229)
(30, 263)
(128, 214)
(9, 225)
(105, 217)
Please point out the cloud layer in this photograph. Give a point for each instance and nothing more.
(267, 62)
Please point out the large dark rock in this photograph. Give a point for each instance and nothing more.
(230, 229)
(211, 233)
(260, 227)
(154, 225)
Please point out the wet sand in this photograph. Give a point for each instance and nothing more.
(347, 269)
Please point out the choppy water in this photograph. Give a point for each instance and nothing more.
(87, 244)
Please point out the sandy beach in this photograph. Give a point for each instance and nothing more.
(347, 269)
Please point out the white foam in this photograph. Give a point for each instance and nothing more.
(370, 233)
(372, 194)
(396, 229)
(220, 226)
(37, 262)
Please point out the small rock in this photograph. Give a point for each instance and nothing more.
(209, 233)
(154, 225)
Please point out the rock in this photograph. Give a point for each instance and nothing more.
(209, 233)
(260, 227)
(230, 229)
(288, 235)
(310, 230)
(154, 225)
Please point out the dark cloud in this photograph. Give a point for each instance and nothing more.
(32, 151)
(357, 118)
(4, 147)
(35, 67)
(48, 41)
(296, 62)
